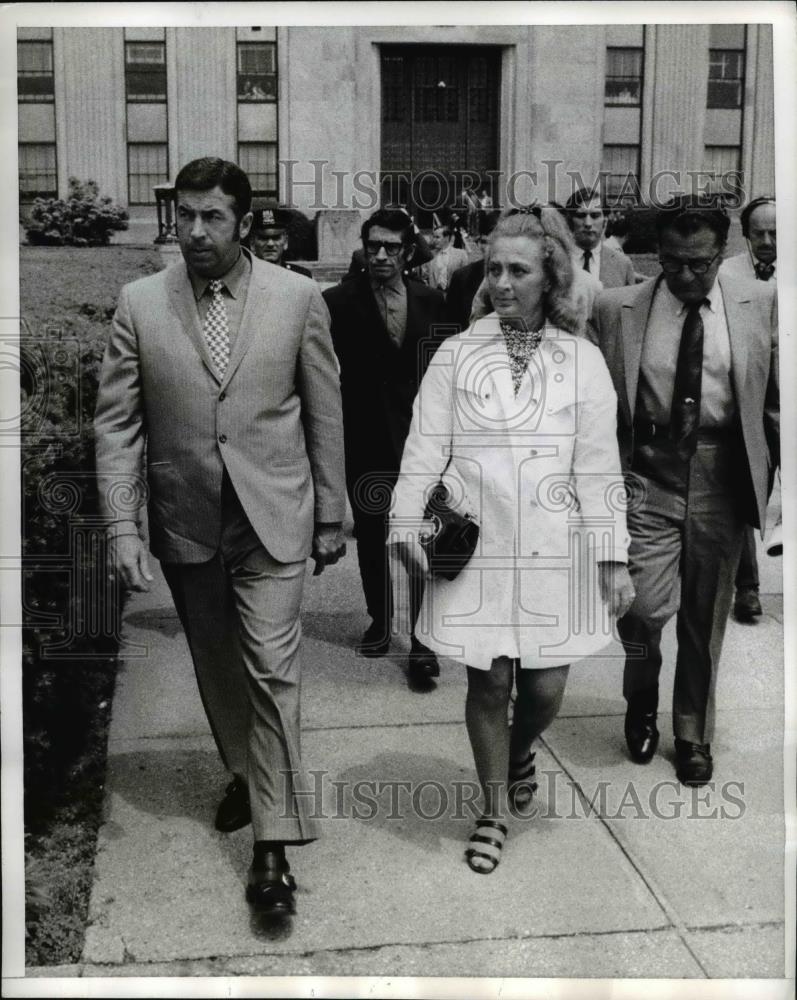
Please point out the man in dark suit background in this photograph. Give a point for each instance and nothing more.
(465, 282)
(587, 218)
(383, 329)
(694, 362)
(220, 375)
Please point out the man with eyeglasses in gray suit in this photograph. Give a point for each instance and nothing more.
(694, 362)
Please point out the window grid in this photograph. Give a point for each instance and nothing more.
(621, 169)
(259, 161)
(147, 165)
(145, 72)
(35, 79)
(624, 77)
(725, 78)
(38, 175)
(257, 72)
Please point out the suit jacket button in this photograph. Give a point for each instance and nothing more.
(222, 396)
(223, 438)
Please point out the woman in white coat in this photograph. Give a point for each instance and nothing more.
(518, 419)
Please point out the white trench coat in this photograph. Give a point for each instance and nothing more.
(541, 475)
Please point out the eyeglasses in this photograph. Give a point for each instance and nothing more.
(372, 247)
(672, 266)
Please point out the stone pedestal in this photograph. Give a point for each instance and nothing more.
(338, 234)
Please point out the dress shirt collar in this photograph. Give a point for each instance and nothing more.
(714, 296)
(395, 284)
(233, 279)
(594, 261)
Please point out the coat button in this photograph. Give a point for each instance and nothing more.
(222, 438)
(222, 396)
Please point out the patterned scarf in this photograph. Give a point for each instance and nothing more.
(520, 345)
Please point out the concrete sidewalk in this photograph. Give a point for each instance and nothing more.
(608, 890)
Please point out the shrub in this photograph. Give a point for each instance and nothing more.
(84, 219)
(64, 596)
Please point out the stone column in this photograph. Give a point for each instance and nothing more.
(678, 109)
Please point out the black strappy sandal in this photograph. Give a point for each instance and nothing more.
(521, 785)
(485, 848)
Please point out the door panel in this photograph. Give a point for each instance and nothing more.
(439, 114)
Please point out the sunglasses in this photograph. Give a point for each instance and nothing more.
(372, 247)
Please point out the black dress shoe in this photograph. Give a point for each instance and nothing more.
(641, 734)
(693, 763)
(234, 812)
(375, 641)
(270, 886)
(423, 665)
(747, 606)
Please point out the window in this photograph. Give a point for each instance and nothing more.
(145, 71)
(257, 71)
(35, 71)
(722, 159)
(259, 161)
(621, 167)
(725, 78)
(624, 77)
(147, 165)
(37, 171)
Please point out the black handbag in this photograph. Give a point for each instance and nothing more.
(455, 536)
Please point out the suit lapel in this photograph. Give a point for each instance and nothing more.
(185, 307)
(255, 317)
(634, 320)
(737, 315)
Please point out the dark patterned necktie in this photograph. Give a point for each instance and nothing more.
(764, 272)
(685, 411)
(587, 259)
(216, 328)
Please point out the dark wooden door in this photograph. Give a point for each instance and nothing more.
(439, 121)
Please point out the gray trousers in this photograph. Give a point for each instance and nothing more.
(240, 613)
(683, 556)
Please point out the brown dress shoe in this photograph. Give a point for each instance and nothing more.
(375, 641)
(423, 665)
(641, 734)
(693, 763)
(234, 812)
(270, 886)
(747, 606)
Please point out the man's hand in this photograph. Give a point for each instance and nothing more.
(128, 557)
(328, 546)
(616, 588)
(413, 557)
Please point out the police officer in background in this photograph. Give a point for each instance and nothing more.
(268, 238)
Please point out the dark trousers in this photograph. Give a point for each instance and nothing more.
(684, 551)
(240, 612)
(370, 507)
(370, 530)
(747, 573)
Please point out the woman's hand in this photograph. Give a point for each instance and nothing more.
(617, 590)
(413, 557)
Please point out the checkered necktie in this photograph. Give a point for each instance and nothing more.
(216, 328)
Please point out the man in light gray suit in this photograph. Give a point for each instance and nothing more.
(587, 219)
(220, 374)
(694, 360)
(757, 262)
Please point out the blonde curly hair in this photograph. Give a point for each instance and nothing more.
(543, 223)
